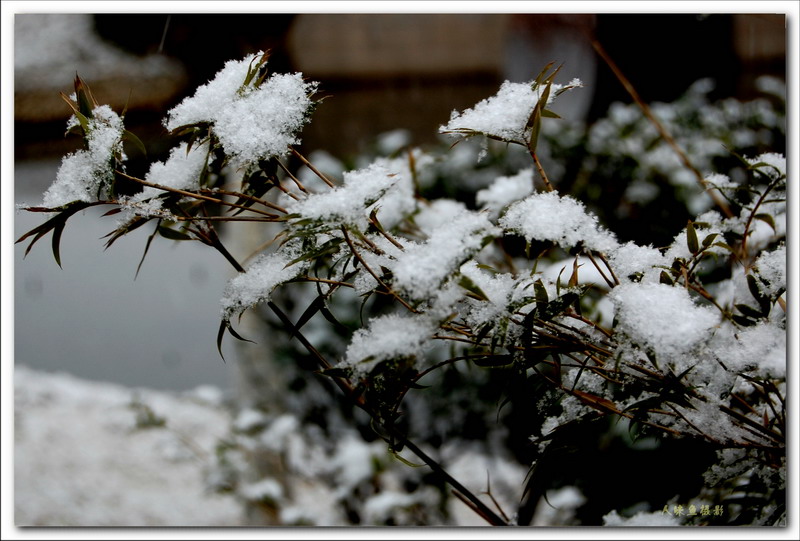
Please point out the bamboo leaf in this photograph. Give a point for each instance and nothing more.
(172, 234)
(131, 137)
(472, 287)
(767, 219)
(691, 238)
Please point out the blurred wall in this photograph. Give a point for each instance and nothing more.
(387, 71)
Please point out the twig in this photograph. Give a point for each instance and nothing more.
(661, 130)
(314, 169)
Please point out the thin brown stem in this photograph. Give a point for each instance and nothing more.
(291, 176)
(308, 164)
(540, 169)
(719, 201)
(192, 194)
(374, 275)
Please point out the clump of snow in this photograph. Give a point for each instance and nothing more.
(505, 115)
(720, 181)
(437, 213)
(388, 337)
(350, 203)
(775, 164)
(256, 284)
(181, 170)
(629, 258)
(498, 288)
(252, 123)
(83, 174)
(506, 190)
(422, 268)
(663, 317)
(641, 519)
(771, 266)
(760, 349)
(563, 220)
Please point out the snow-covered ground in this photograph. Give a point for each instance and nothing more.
(94, 454)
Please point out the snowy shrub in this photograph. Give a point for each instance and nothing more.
(595, 341)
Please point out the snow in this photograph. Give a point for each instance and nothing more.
(505, 190)
(422, 268)
(80, 460)
(771, 267)
(437, 213)
(181, 170)
(662, 317)
(256, 284)
(629, 258)
(775, 164)
(563, 220)
(505, 115)
(388, 337)
(350, 203)
(761, 348)
(84, 173)
(251, 123)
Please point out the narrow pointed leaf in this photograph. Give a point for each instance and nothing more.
(691, 238)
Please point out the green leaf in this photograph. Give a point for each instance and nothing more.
(755, 291)
(493, 361)
(172, 234)
(540, 292)
(543, 73)
(767, 219)
(132, 138)
(748, 311)
(536, 125)
(55, 224)
(472, 287)
(691, 238)
(547, 113)
(83, 97)
(665, 278)
(743, 321)
(708, 241)
(725, 246)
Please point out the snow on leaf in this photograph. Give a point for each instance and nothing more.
(563, 220)
(84, 174)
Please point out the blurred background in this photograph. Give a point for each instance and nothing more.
(379, 72)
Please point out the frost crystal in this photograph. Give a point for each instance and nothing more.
(251, 123)
(84, 174)
(563, 220)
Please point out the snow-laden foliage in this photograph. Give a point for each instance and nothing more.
(593, 339)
